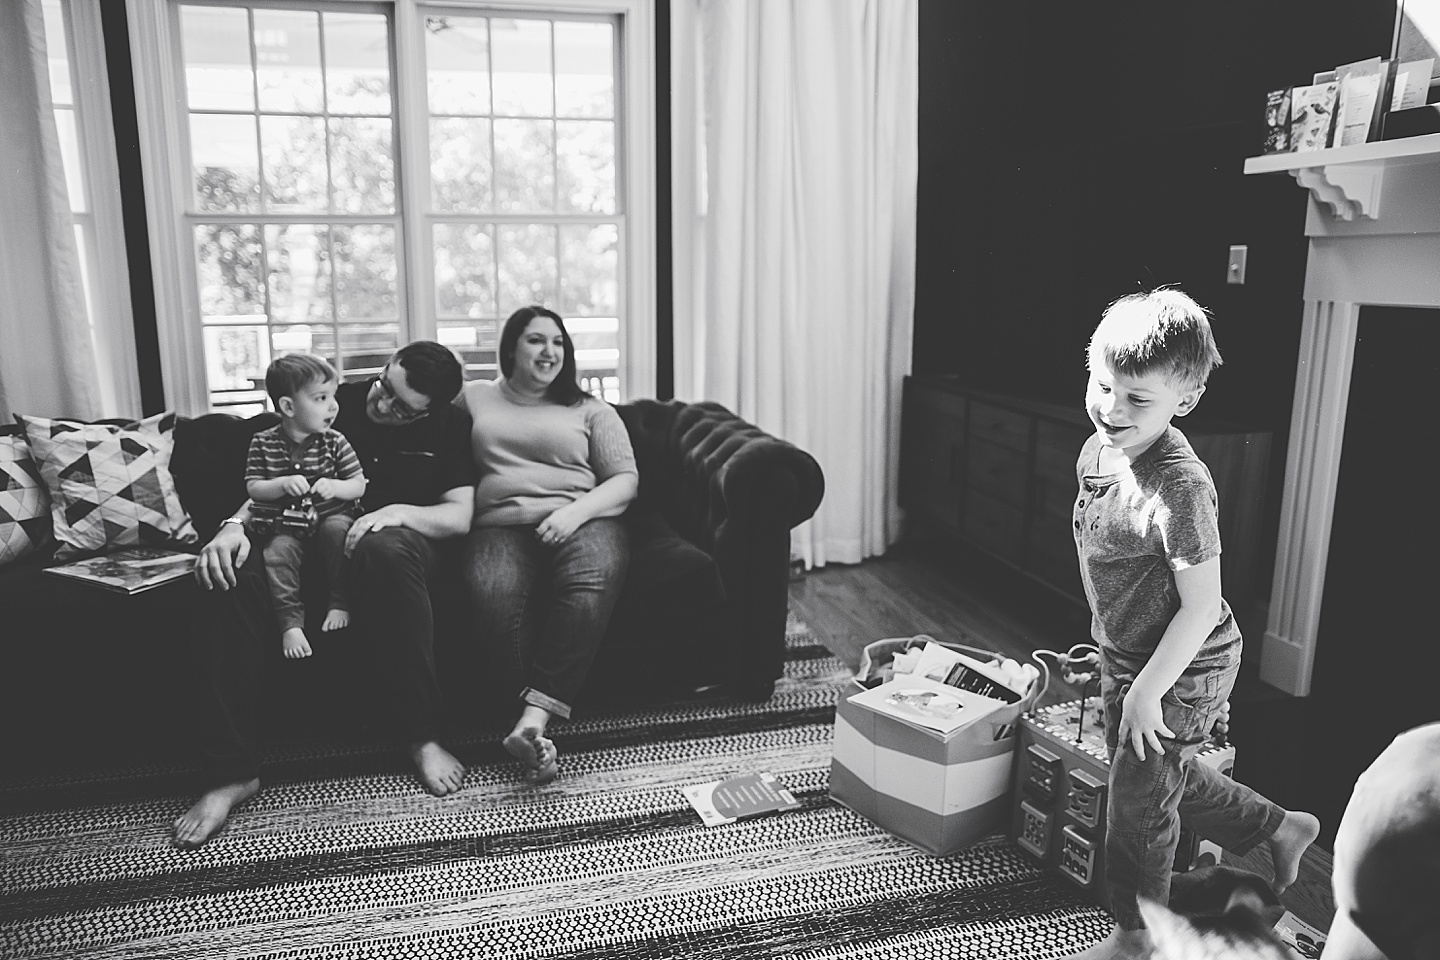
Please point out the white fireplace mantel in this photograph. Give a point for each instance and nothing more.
(1373, 223)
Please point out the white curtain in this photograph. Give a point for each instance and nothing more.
(47, 353)
(798, 299)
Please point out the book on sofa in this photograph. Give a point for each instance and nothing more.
(129, 571)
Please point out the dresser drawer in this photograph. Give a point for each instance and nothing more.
(999, 471)
(1005, 427)
(1057, 448)
(996, 526)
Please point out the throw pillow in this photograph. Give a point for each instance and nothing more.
(24, 505)
(109, 485)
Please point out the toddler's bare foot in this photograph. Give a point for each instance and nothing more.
(208, 815)
(1120, 945)
(1288, 844)
(296, 645)
(335, 619)
(536, 751)
(439, 771)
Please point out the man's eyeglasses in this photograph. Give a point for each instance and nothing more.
(398, 408)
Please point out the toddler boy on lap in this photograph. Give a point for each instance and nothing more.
(298, 456)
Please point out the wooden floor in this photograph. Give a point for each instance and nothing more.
(953, 594)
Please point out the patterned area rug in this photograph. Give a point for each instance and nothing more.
(344, 856)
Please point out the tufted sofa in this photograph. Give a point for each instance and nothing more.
(703, 604)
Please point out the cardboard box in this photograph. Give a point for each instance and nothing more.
(938, 791)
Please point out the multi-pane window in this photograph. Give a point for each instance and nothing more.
(302, 237)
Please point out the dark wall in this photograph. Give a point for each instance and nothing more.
(1073, 153)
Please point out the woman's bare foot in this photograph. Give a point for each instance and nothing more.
(528, 744)
(296, 645)
(335, 619)
(208, 815)
(1288, 844)
(439, 771)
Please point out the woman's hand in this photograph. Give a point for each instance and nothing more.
(560, 525)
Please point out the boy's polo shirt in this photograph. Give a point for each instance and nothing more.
(1133, 530)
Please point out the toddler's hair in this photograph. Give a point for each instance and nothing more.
(290, 374)
(1161, 331)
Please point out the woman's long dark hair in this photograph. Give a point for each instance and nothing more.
(565, 388)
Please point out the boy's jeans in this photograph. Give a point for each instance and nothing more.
(1149, 799)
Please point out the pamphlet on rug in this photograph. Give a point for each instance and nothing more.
(725, 801)
(1303, 939)
(129, 571)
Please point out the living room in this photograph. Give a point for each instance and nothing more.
(1072, 155)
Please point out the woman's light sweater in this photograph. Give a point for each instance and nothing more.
(535, 455)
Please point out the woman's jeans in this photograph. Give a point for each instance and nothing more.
(1150, 799)
(543, 609)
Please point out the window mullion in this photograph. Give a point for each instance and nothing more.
(412, 160)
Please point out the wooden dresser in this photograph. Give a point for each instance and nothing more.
(998, 471)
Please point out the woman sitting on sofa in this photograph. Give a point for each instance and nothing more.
(546, 553)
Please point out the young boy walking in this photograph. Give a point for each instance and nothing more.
(1147, 533)
(298, 456)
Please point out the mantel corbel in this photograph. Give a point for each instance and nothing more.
(1348, 189)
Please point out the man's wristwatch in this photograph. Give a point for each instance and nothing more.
(235, 520)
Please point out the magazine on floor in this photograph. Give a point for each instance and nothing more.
(129, 571)
(725, 801)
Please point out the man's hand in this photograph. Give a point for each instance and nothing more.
(1142, 722)
(388, 516)
(559, 526)
(219, 559)
(295, 485)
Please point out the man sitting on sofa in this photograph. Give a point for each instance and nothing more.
(414, 446)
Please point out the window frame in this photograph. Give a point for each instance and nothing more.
(159, 94)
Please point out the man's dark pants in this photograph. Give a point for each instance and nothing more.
(391, 615)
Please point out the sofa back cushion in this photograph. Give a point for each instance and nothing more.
(209, 465)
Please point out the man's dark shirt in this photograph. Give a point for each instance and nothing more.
(414, 462)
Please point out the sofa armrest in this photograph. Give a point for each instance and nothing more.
(735, 491)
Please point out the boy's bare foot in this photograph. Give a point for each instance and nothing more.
(1120, 945)
(1288, 844)
(335, 619)
(440, 773)
(530, 746)
(208, 815)
(296, 645)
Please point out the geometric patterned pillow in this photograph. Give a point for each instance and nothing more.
(109, 485)
(24, 505)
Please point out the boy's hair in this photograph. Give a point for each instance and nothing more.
(432, 369)
(290, 374)
(1161, 331)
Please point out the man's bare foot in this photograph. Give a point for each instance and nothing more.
(335, 619)
(208, 815)
(1288, 844)
(296, 645)
(536, 751)
(439, 771)
(1120, 945)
